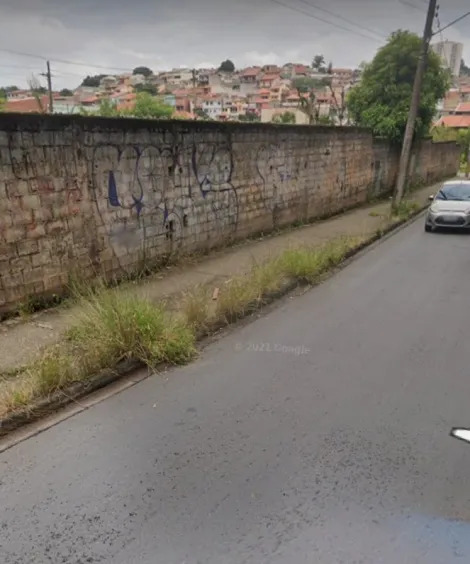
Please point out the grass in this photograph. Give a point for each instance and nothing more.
(405, 209)
(114, 325)
(111, 327)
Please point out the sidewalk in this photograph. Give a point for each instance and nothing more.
(21, 338)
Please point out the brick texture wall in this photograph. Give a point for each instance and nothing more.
(87, 195)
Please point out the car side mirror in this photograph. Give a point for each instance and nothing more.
(431, 197)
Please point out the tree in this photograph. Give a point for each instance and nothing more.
(464, 70)
(285, 117)
(382, 99)
(107, 108)
(93, 81)
(318, 63)
(309, 106)
(37, 91)
(144, 71)
(149, 88)
(66, 92)
(338, 111)
(4, 90)
(227, 66)
(305, 84)
(148, 106)
(461, 137)
(249, 116)
(201, 114)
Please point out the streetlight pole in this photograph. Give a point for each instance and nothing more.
(415, 99)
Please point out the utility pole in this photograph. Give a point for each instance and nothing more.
(415, 99)
(48, 75)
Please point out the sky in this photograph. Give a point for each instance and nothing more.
(83, 37)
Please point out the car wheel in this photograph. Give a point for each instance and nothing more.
(427, 228)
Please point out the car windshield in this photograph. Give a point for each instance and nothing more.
(457, 192)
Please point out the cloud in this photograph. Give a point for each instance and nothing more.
(112, 35)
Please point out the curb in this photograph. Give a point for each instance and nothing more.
(63, 398)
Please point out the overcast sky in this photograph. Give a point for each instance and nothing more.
(119, 35)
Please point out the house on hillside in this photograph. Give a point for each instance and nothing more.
(268, 80)
(250, 75)
(18, 94)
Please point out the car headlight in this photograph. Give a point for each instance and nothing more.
(434, 209)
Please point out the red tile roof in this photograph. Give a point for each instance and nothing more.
(90, 100)
(252, 71)
(27, 105)
(454, 121)
(270, 77)
(464, 107)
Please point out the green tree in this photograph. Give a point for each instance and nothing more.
(66, 92)
(464, 70)
(305, 84)
(227, 66)
(5, 89)
(107, 108)
(93, 81)
(285, 117)
(201, 114)
(318, 63)
(148, 106)
(382, 99)
(150, 88)
(144, 71)
(461, 137)
(249, 116)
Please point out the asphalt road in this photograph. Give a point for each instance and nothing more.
(335, 453)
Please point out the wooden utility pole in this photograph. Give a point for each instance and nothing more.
(48, 75)
(415, 99)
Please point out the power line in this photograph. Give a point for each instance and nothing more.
(383, 36)
(405, 3)
(63, 61)
(324, 21)
(453, 22)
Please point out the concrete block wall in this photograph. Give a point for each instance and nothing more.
(86, 195)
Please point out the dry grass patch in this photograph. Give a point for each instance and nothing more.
(245, 292)
(307, 264)
(196, 307)
(113, 326)
(110, 327)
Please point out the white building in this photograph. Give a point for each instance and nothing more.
(213, 108)
(451, 54)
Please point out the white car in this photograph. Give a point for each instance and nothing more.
(450, 208)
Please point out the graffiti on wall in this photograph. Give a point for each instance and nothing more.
(274, 173)
(150, 198)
